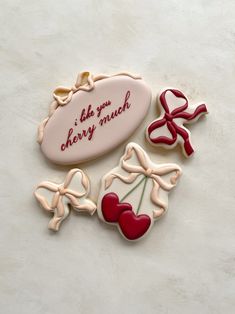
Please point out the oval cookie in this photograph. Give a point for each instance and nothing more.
(93, 117)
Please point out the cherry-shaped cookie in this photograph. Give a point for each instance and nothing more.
(135, 193)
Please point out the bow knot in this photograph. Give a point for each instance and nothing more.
(61, 190)
(169, 116)
(149, 172)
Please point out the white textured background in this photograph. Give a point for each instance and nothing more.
(187, 263)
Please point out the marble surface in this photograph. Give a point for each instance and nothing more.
(187, 263)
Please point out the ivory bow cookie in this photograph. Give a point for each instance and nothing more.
(147, 197)
(56, 198)
(168, 129)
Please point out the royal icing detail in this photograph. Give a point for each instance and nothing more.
(169, 130)
(58, 198)
(135, 194)
(92, 117)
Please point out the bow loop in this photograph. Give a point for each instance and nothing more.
(63, 95)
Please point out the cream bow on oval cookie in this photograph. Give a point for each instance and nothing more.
(56, 198)
(63, 95)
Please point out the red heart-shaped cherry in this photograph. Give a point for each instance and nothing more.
(111, 208)
(134, 226)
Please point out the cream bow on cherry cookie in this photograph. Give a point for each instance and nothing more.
(150, 171)
(134, 219)
(169, 129)
(56, 198)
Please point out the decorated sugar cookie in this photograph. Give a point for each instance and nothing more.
(169, 130)
(135, 194)
(92, 117)
(58, 198)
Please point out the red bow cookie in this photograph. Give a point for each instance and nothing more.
(169, 129)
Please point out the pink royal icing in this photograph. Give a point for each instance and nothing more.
(93, 117)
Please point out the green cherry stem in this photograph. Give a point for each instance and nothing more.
(136, 186)
(142, 195)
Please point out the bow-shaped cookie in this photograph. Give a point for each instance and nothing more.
(169, 128)
(145, 167)
(55, 198)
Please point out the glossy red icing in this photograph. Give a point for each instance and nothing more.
(112, 208)
(173, 127)
(134, 226)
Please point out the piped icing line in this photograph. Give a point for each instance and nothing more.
(149, 170)
(63, 95)
(61, 191)
(184, 112)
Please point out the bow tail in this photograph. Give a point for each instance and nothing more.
(43, 202)
(154, 195)
(60, 213)
(85, 206)
(192, 114)
(167, 186)
(82, 205)
(186, 137)
(189, 117)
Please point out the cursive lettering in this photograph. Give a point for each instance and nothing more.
(118, 111)
(74, 138)
(86, 114)
(101, 107)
